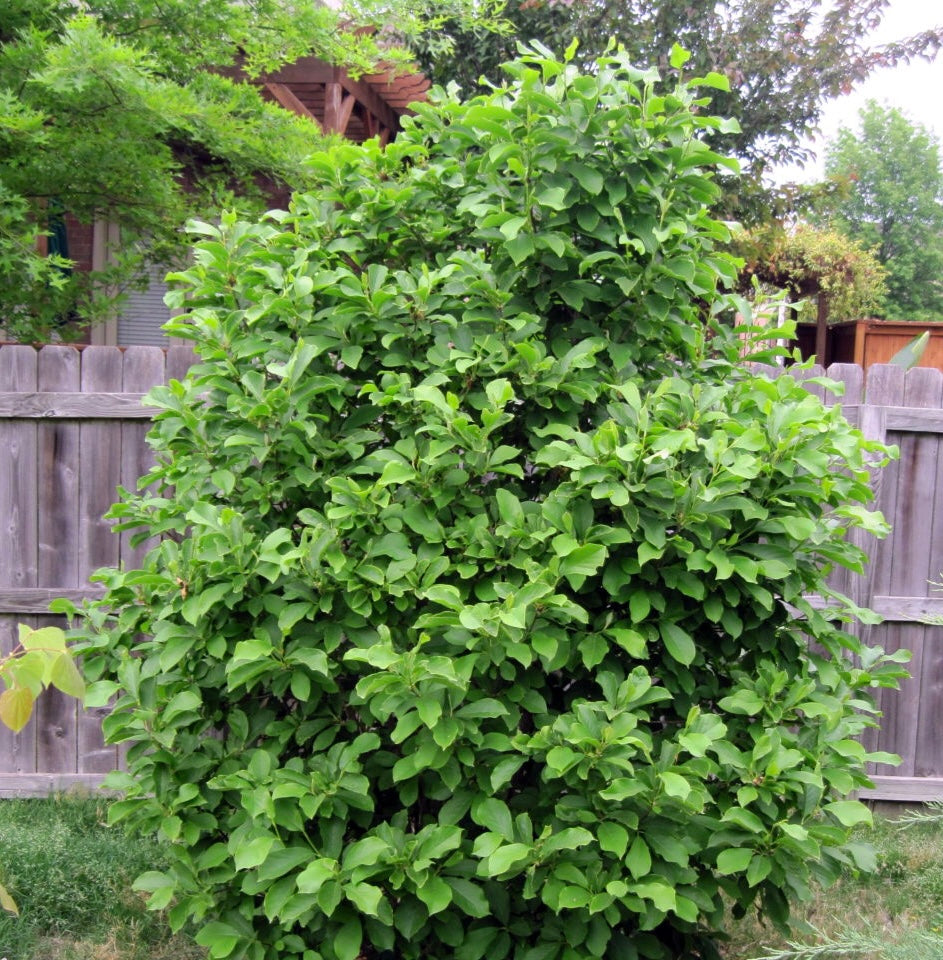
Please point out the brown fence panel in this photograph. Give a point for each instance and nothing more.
(72, 429)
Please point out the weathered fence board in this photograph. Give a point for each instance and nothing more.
(72, 428)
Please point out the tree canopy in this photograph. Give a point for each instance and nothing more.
(892, 202)
(784, 58)
(124, 112)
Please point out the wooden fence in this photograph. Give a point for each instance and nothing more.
(72, 429)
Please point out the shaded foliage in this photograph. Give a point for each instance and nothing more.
(121, 112)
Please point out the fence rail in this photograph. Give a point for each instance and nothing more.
(72, 430)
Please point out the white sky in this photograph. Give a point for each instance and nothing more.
(917, 88)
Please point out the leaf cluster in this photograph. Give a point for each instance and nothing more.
(783, 61)
(40, 660)
(477, 625)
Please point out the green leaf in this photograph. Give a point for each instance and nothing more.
(313, 877)
(512, 227)
(675, 785)
(639, 606)
(590, 179)
(282, 861)
(661, 895)
(494, 815)
(396, 472)
(613, 838)
(508, 856)
(678, 643)
(220, 938)
(631, 641)
(849, 813)
(365, 852)
(365, 897)
(679, 56)
(435, 893)
(584, 560)
(553, 197)
(468, 897)
(520, 248)
(759, 869)
(504, 770)
(745, 702)
(734, 860)
(253, 853)
(445, 595)
(639, 859)
(348, 939)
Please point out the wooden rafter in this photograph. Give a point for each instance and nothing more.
(283, 95)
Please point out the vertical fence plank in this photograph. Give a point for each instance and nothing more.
(884, 386)
(58, 523)
(921, 520)
(143, 368)
(911, 572)
(179, 361)
(852, 377)
(19, 555)
(99, 473)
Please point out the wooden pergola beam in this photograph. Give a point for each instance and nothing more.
(338, 107)
(374, 103)
(286, 98)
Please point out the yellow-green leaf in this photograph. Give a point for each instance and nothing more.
(47, 638)
(65, 676)
(16, 707)
(7, 902)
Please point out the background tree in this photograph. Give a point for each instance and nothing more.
(892, 202)
(784, 59)
(121, 113)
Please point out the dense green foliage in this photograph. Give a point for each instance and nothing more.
(784, 59)
(893, 204)
(477, 626)
(117, 112)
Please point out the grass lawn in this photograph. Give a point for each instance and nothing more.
(71, 876)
